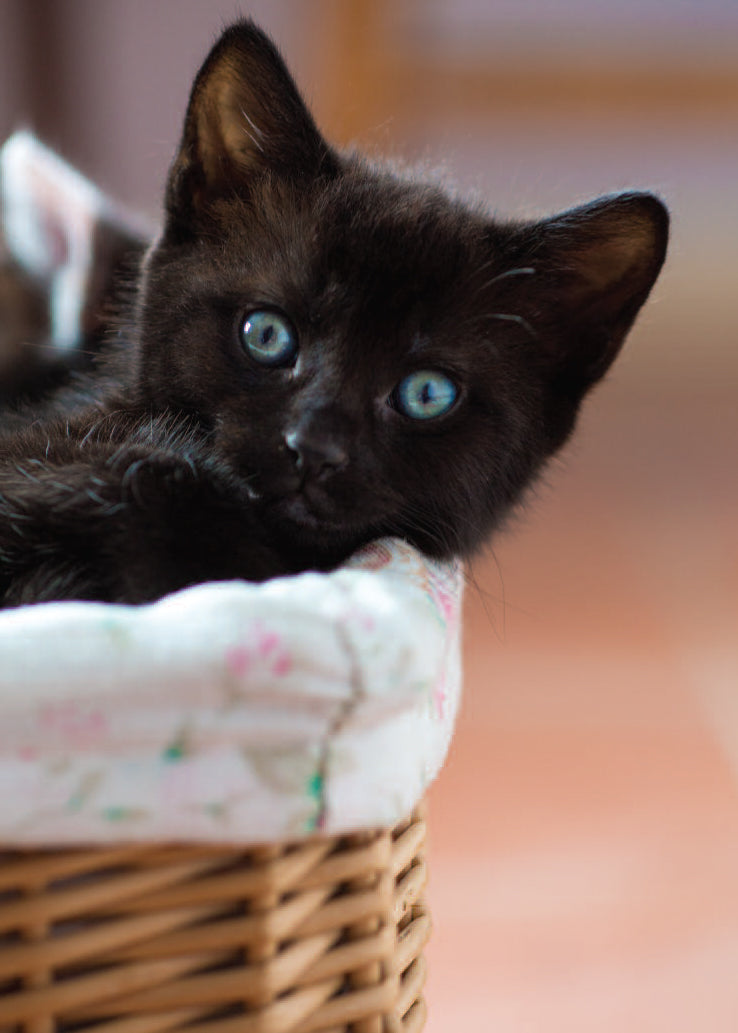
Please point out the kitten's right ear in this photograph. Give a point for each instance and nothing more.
(245, 118)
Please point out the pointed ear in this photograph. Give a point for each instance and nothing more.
(599, 263)
(245, 118)
(64, 236)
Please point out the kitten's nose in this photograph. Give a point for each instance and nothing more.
(317, 454)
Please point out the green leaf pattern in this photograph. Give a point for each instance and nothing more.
(256, 726)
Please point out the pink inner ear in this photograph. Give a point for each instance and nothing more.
(49, 209)
(55, 240)
(616, 247)
(606, 263)
(52, 218)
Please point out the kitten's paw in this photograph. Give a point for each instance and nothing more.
(146, 478)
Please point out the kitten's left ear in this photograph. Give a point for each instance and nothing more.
(598, 263)
(245, 118)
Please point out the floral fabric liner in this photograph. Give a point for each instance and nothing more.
(231, 712)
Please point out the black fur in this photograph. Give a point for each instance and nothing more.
(172, 465)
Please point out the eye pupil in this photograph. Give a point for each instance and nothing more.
(425, 395)
(269, 338)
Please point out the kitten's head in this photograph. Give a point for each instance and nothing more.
(371, 355)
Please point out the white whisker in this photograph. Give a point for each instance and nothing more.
(510, 318)
(254, 137)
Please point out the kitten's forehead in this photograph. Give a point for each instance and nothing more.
(381, 219)
(391, 247)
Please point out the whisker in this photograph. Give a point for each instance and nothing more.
(509, 317)
(39, 346)
(484, 596)
(254, 137)
(523, 271)
(430, 521)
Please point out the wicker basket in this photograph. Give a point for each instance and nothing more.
(136, 742)
(321, 936)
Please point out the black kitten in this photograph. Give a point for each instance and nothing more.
(320, 352)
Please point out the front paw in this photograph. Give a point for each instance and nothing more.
(149, 477)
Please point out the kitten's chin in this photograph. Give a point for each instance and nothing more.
(296, 509)
(324, 538)
(298, 512)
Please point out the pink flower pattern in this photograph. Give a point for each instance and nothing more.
(73, 722)
(81, 762)
(267, 649)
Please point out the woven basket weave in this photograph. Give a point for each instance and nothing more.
(321, 936)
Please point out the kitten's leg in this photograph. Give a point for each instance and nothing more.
(127, 524)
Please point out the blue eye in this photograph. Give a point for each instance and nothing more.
(425, 394)
(269, 338)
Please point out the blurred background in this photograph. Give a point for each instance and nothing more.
(585, 831)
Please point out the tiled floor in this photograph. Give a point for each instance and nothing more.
(585, 831)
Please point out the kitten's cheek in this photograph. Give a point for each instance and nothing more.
(272, 486)
(265, 477)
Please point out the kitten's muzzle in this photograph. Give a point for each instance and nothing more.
(316, 456)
